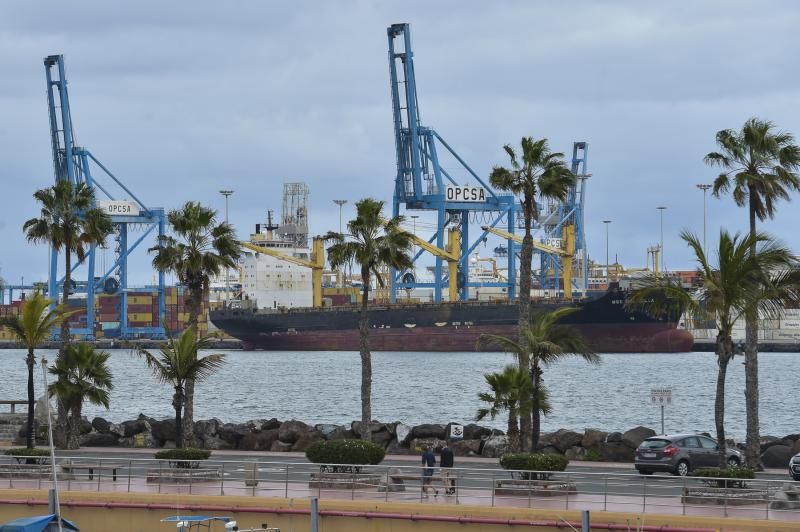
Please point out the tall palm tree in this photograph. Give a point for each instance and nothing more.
(32, 326)
(759, 164)
(70, 223)
(200, 249)
(510, 391)
(536, 173)
(177, 364)
(373, 243)
(82, 375)
(741, 281)
(543, 342)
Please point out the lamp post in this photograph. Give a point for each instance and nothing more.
(661, 210)
(607, 222)
(704, 188)
(227, 193)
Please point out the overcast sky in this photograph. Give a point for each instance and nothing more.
(181, 99)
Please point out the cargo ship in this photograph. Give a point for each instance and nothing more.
(445, 327)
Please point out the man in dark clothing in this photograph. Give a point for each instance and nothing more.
(446, 462)
(428, 463)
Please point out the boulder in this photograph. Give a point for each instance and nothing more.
(429, 431)
(575, 453)
(343, 433)
(796, 447)
(777, 456)
(97, 439)
(163, 430)
(382, 438)
(476, 432)
(327, 429)
(562, 439)
(85, 426)
(395, 448)
(234, 432)
(549, 449)
(292, 430)
(100, 425)
(593, 439)
(305, 440)
(634, 437)
(417, 445)
(258, 441)
(616, 451)
(772, 443)
(40, 411)
(494, 446)
(270, 424)
(466, 447)
(613, 437)
(402, 433)
(206, 427)
(786, 498)
(281, 447)
(137, 426)
(216, 443)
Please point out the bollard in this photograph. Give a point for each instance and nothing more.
(585, 526)
(314, 514)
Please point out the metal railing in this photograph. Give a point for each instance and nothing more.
(756, 499)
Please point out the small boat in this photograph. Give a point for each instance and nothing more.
(188, 523)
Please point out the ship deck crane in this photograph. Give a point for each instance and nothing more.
(450, 254)
(317, 264)
(568, 252)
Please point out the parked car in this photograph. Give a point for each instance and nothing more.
(794, 466)
(680, 454)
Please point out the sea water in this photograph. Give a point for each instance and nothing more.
(324, 387)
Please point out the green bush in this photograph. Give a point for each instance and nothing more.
(34, 456)
(729, 477)
(529, 466)
(187, 458)
(345, 456)
(593, 455)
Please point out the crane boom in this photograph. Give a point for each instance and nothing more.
(317, 263)
(568, 235)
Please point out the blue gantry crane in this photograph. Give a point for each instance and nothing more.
(423, 183)
(128, 215)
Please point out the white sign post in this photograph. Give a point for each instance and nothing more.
(661, 397)
(456, 432)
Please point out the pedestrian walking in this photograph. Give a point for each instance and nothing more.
(428, 463)
(446, 460)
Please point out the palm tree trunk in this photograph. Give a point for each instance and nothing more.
(30, 361)
(366, 358)
(513, 431)
(62, 425)
(177, 404)
(724, 354)
(195, 304)
(536, 406)
(73, 427)
(526, 257)
(753, 440)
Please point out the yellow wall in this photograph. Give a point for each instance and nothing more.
(100, 519)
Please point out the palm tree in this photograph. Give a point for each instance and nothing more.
(202, 248)
(82, 375)
(544, 342)
(759, 164)
(70, 223)
(32, 326)
(536, 172)
(373, 243)
(741, 282)
(511, 392)
(177, 364)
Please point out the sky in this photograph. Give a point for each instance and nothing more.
(182, 99)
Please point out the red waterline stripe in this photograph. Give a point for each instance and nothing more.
(358, 515)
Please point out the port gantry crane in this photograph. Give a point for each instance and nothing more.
(422, 183)
(72, 163)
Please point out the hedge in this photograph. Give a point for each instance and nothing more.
(533, 465)
(729, 477)
(186, 458)
(344, 456)
(35, 456)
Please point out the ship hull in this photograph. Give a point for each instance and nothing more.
(604, 322)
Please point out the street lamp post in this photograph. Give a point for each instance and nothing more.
(661, 210)
(227, 193)
(704, 188)
(607, 222)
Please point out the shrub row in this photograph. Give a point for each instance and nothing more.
(345, 452)
(22, 451)
(534, 465)
(185, 458)
(729, 477)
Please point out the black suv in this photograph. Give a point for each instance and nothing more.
(680, 454)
